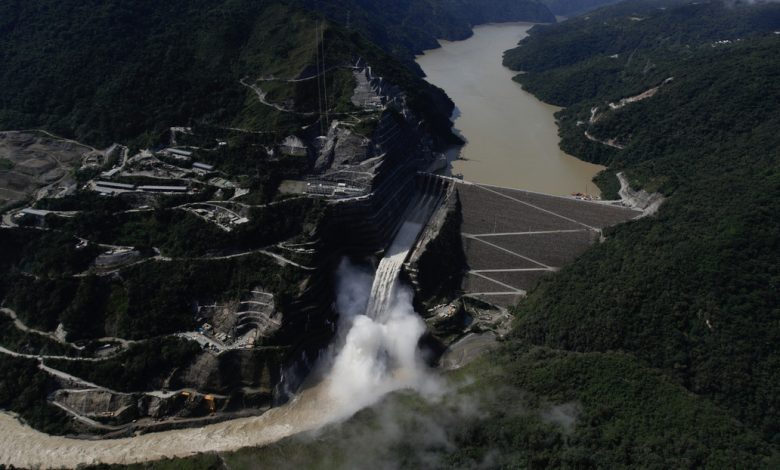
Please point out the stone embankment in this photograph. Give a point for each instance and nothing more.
(641, 200)
(512, 238)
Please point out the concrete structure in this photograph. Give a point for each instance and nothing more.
(163, 189)
(117, 257)
(366, 95)
(34, 212)
(112, 185)
(179, 153)
(38, 216)
(202, 166)
(110, 173)
(293, 146)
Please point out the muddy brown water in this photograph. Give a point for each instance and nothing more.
(25, 447)
(512, 138)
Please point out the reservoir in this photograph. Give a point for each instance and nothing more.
(511, 137)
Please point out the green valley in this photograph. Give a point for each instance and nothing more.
(278, 221)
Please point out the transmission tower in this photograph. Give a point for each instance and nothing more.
(317, 71)
(324, 77)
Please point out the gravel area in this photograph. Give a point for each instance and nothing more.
(596, 214)
(525, 280)
(552, 249)
(501, 300)
(550, 230)
(486, 212)
(482, 256)
(22, 446)
(473, 283)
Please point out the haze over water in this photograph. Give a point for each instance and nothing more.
(512, 138)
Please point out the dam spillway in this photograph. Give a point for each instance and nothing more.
(390, 266)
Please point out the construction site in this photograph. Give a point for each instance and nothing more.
(38, 164)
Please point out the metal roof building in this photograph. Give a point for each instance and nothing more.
(109, 184)
(164, 189)
(203, 166)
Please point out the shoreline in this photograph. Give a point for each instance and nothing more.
(23, 446)
(511, 137)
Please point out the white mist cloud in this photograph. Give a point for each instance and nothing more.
(564, 415)
(353, 286)
(375, 356)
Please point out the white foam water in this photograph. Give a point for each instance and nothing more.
(379, 352)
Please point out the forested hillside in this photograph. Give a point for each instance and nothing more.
(113, 71)
(573, 7)
(479, 11)
(694, 290)
(407, 27)
(236, 80)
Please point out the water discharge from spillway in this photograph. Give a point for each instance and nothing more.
(386, 276)
(378, 351)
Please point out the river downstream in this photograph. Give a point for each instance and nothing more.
(512, 138)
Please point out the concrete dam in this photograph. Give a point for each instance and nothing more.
(453, 239)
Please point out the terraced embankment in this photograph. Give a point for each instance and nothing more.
(512, 238)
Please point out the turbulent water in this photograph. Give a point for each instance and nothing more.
(378, 353)
(387, 272)
(512, 138)
(25, 447)
(386, 276)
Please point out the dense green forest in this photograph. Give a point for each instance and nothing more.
(143, 367)
(663, 338)
(180, 234)
(118, 71)
(569, 8)
(150, 299)
(694, 290)
(657, 348)
(407, 27)
(523, 407)
(24, 389)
